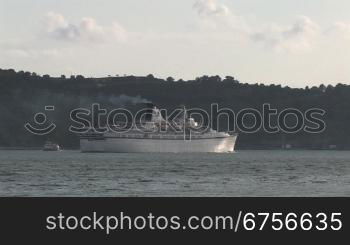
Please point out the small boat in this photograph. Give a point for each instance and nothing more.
(50, 146)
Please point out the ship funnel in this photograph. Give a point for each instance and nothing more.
(149, 110)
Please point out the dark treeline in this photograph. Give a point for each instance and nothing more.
(22, 94)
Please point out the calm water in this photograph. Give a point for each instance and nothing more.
(246, 173)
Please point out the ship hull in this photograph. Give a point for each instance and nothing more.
(129, 145)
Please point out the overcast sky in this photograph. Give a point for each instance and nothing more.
(291, 42)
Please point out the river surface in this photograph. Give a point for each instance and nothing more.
(245, 173)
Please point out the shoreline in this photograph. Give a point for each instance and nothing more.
(237, 150)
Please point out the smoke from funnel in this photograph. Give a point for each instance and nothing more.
(125, 99)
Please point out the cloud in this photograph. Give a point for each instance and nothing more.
(211, 8)
(87, 29)
(296, 37)
(303, 26)
(339, 28)
(217, 16)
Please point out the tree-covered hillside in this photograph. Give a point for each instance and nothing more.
(22, 94)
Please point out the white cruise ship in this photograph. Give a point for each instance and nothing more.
(157, 135)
